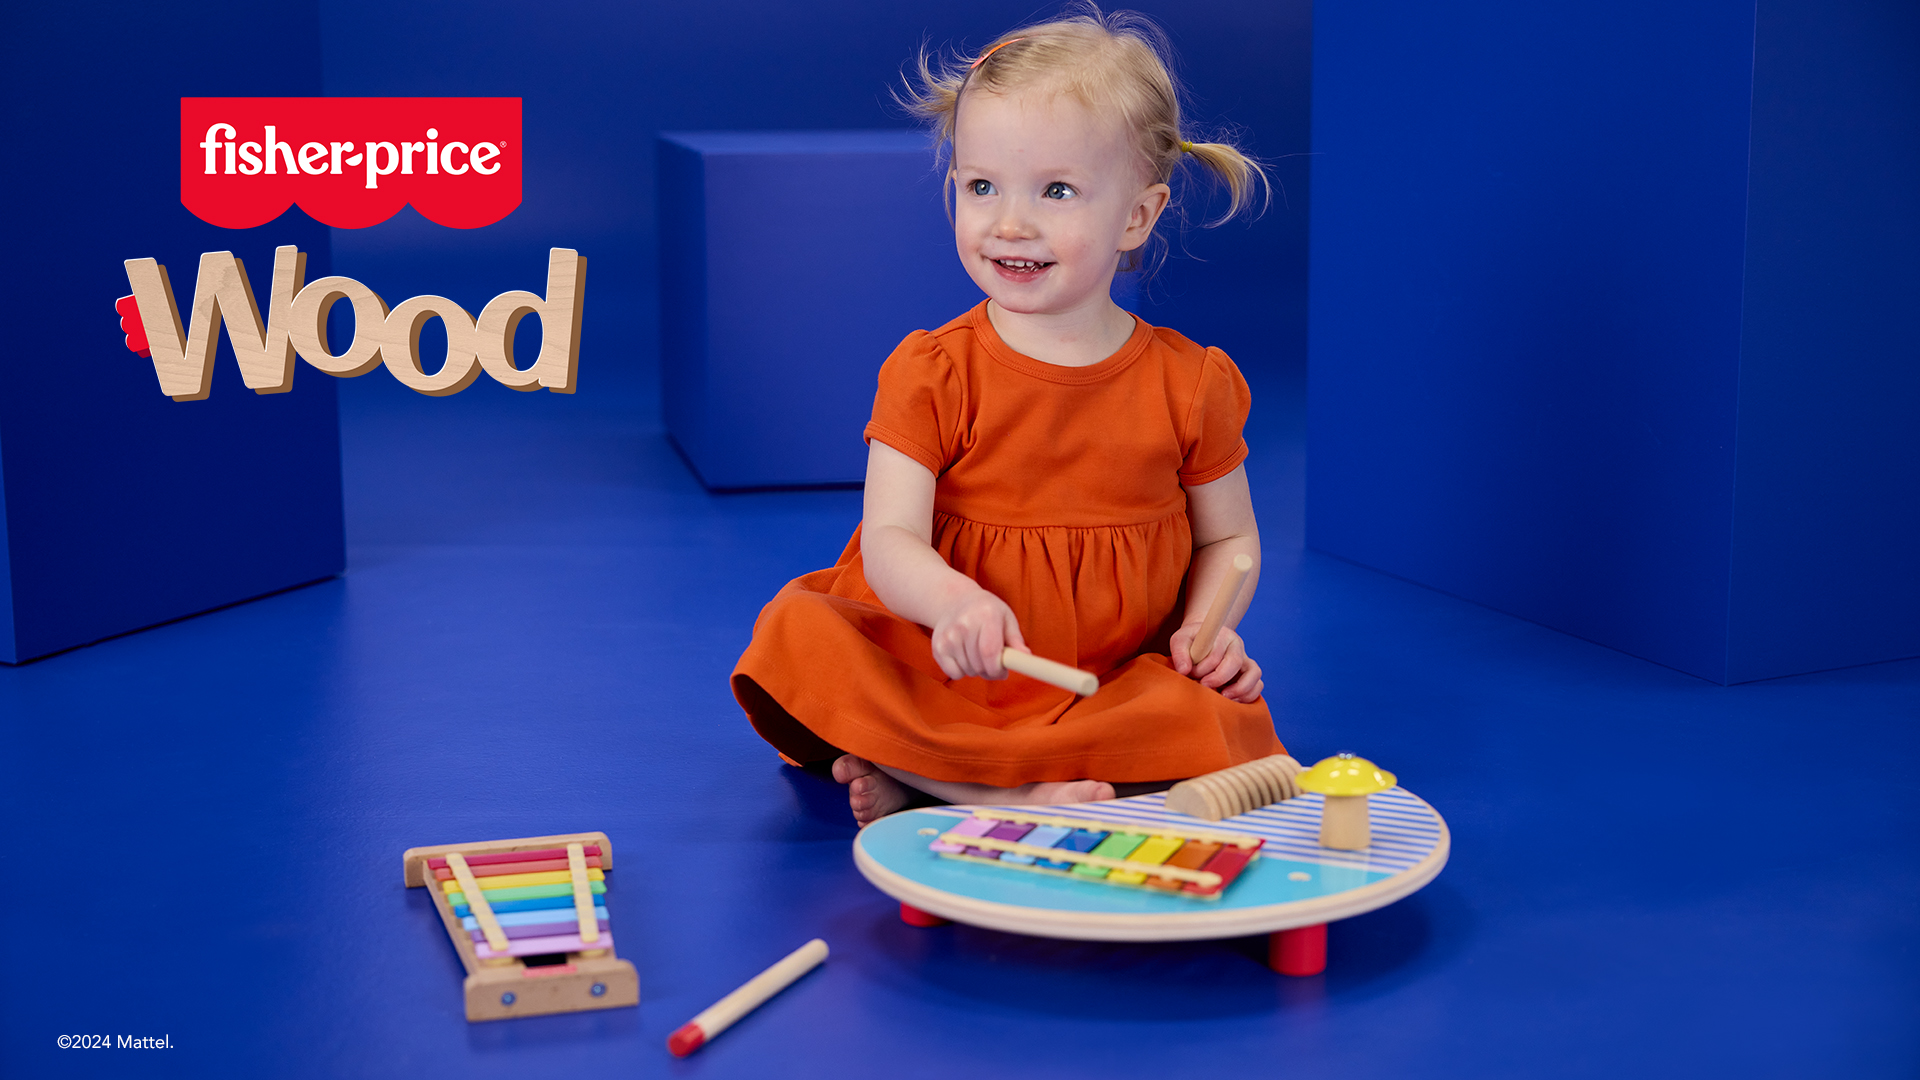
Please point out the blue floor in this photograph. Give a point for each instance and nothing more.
(1651, 875)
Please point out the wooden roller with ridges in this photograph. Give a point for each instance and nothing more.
(1237, 790)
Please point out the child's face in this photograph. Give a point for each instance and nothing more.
(1047, 196)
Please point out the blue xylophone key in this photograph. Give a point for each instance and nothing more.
(1043, 836)
(532, 918)
(1082, 840)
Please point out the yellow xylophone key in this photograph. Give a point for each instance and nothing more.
(1156, 850)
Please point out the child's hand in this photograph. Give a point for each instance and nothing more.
(1227, 668)
(968, 636)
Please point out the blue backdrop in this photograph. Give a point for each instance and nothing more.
(600, 79)
(1614, 319)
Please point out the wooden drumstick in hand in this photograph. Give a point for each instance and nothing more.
(1060, 675)
(1222, 605)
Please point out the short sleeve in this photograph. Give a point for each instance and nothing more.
(1214, 444)
(916, 409)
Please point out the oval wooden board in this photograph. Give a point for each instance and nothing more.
(1295, 882)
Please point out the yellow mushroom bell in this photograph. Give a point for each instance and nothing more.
(1345, 781)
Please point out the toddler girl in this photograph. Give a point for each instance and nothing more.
(1046, 472)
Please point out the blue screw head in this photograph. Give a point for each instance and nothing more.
(507, 998)
(599, 989)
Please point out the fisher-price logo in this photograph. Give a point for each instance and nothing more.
(350, 162)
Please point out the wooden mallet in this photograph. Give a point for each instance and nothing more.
(1222, 606)
(1080, 682)
(721, 1015)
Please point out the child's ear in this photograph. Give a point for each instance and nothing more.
(1146, 212)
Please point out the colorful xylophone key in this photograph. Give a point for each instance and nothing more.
(591, 851)
(510, 881)
(519, 924)
(1044, 836)
(1211, 862)
(534, 866)
(541, 946)
(1006, 830)
(1082, 840)
(524, 898)
(1117, 845)
(1193, 855)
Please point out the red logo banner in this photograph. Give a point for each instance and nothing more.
(350, 162)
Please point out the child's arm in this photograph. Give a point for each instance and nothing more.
(969, 623)
(1221, 515)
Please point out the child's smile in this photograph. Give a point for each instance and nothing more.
(1021, 270)
(1047, 196)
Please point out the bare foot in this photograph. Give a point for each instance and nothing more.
(1064, 791)
(871, 794)
(961, 793)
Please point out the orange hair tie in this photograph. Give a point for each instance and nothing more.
(995, 49)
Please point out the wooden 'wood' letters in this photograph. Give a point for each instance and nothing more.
(296, 324)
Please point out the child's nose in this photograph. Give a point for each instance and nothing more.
(1013, 226)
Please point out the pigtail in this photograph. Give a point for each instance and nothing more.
(1239, 174)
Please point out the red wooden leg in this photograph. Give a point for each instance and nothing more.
(1300, 951)
(913, 916)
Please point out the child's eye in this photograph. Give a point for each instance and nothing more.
(980, 187)
(1057, 190)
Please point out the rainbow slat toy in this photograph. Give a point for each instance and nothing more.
(529, 920)
(1193, 863)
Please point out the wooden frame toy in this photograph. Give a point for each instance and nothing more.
(526, 918)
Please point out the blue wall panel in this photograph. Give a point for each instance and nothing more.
(1533, 327)
(1826, 536)
(791, 264)
(124, 508)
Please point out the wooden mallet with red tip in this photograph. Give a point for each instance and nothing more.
(721, 1015)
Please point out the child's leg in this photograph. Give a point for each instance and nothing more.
(874, 791)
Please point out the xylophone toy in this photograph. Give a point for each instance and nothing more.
(1172, 858)
(530, 923)
(1281, 862)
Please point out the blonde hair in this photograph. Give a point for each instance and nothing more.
(1116, 64)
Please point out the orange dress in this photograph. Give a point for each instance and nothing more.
(1059, 491)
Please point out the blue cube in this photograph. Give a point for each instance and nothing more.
(791, 264)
